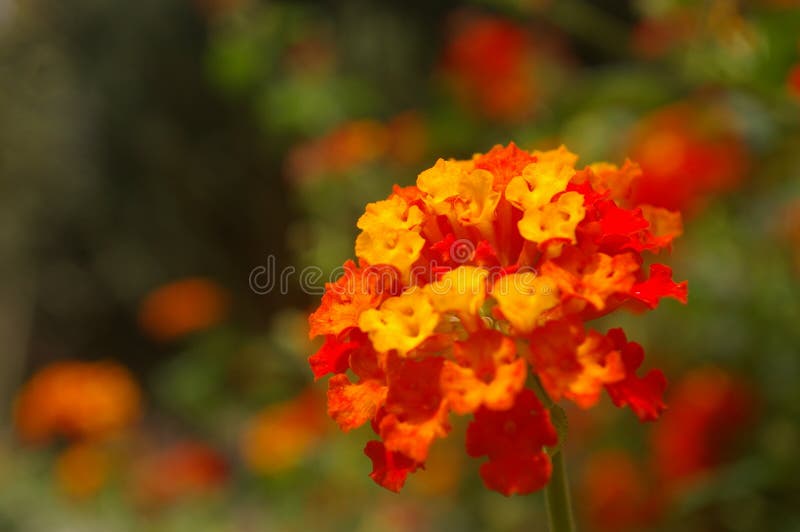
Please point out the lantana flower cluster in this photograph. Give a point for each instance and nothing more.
(471, 296)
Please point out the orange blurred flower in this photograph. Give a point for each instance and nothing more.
(408, 138)
(709, 411)
(77, 400)
(616, 494)
(357, 143)
(688, 152)
(182, 307)
(183, 470)
(82, 469)
(491, 63)
(281, 435)
(793, 81)
(485, 268)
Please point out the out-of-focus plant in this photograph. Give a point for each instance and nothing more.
(77, 400)
(688, 151)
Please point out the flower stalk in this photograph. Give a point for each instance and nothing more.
(557, 498)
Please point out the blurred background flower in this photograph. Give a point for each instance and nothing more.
(166, 475)
(283, 434)
(77, 400)
(688, 152)
(501, 68)
(182, 307)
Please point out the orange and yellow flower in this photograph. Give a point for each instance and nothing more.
(472, 288)
(77, 400)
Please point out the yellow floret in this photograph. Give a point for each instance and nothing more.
(401, 323)
(523, 298)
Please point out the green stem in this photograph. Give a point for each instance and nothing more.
(559, 509)
(556, 493)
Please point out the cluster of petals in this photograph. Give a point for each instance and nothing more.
(472, 290)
